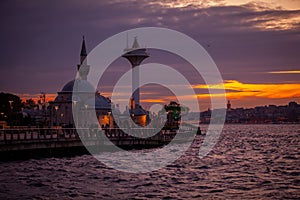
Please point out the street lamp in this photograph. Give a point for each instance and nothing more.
(2, 114)
(56, 109)
(61, 118)
(10, 103)
(11, 111)
(86, 114)
(109, 118)
(75, 108)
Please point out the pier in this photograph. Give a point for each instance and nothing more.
(31, 142)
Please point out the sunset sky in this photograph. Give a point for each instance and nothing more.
(255, 44)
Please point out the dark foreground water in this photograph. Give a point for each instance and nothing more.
(249, 162)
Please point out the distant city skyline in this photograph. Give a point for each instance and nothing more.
(255, 45)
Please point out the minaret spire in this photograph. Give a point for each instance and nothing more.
(83, 68)
(83, 53)
(135, 44)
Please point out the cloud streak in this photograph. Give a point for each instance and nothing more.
(286, 72)
(239, 90)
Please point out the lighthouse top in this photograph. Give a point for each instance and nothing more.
(135, 45)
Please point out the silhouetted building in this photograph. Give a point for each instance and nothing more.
(260, 114)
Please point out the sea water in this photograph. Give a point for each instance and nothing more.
(248, 162)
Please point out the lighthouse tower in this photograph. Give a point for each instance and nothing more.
(135, 55)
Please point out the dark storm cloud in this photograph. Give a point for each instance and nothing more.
(40, 40)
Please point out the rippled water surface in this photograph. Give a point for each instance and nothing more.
(248, 162)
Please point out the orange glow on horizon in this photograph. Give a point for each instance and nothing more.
(244, 92)
(239, 90)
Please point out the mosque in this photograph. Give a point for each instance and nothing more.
(60, 109)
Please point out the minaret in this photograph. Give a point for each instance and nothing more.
(83, 69)
(135, 55)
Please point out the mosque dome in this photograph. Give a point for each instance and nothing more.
(100, 102)
(80, 86)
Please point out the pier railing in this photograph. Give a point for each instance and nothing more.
(25, 134)
(57, 138)
(40, 134)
